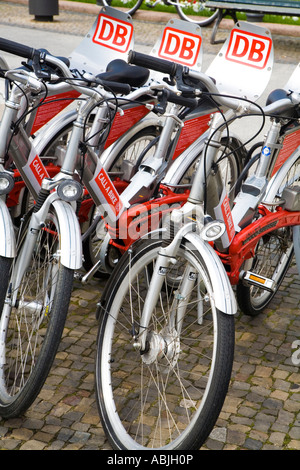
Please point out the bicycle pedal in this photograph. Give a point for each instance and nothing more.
(259, 281)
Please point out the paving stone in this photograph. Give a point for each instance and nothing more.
(33, 445)
(251, 444)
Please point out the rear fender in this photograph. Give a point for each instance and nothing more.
(224, 297)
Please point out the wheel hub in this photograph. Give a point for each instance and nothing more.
(163, 348)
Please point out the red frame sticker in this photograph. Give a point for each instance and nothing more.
(122, 123)
(108, 190)
(290, 144)
(112, 33)
(249, 49)
(180, 46)
(38, 169)
(227, 217)
(191, 130)
(51, 106)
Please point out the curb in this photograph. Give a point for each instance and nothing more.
(161, 17)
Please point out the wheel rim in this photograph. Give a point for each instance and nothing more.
(155, 398)
(25, 328)
(273, 256)
(186, 9)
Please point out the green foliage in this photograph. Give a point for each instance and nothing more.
(241, 16)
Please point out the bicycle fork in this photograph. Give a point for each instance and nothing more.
(224, 298)
(70, 253)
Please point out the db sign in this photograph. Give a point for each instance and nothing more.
(180, 46)
(113, 33)
(249, 49)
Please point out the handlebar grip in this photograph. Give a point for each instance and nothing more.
(153, 63)
(16, 48)
(182, 101)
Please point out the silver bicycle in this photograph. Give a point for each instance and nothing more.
(39, 261)
(37, 267)
(166, 338)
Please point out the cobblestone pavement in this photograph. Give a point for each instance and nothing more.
(262, 408)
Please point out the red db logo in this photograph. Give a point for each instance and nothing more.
(180, 47)
(249, 49)
(115, 34)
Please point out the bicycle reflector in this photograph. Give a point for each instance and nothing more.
(69, 190)
(7, 182)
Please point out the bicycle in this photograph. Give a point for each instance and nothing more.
(165, 342)
(123, 139)
(95, 179)
(51, 137)
(186, 9)
(37, 268)
(48, 247)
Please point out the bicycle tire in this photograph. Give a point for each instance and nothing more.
(191, 396)
(273, 256)
(130, 6)
(183, 7)
(33, 330)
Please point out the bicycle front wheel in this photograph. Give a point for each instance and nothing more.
(130, 6)
(32, 327)
(170, 395)
(196, 12)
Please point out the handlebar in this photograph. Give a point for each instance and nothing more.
(153, 63)
(201, 80)
(16, 48)
(42, 56)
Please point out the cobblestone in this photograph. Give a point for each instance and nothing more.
(261, 411)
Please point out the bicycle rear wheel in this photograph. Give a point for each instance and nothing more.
(130, 6)
(273, 254)
(230, 160)
(189, 11)
(31, 329)
(169, 396)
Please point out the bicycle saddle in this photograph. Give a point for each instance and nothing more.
(119, 71)
(280, 94)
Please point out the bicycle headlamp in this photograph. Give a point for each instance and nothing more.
(69, 190)
(6, 182)
(213, 230)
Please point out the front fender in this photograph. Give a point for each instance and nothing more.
(224, 297)
(7, 235)
(71, 245)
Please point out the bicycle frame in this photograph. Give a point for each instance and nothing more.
(33, 173)
(244, 243)
(235, 247)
